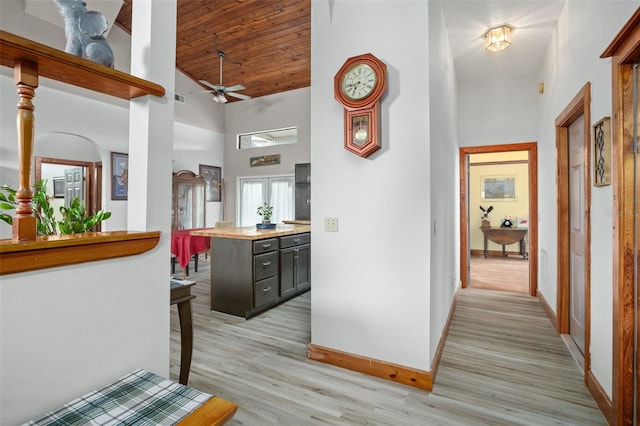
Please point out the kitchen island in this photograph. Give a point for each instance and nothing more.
(255, 269)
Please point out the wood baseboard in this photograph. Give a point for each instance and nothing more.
(494, 253)
(600, 396)
(420, 379)
(547, 309)
(383, 369)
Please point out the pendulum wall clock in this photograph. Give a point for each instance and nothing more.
(359, 86)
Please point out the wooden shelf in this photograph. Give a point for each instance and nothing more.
(62, 66)
(60, 250)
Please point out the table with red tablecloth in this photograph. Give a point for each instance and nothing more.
(184, 245)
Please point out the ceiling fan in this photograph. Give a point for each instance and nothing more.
(219, 90)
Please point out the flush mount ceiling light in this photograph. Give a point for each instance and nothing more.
(497, 39)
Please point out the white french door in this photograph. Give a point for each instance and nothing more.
(277, 191)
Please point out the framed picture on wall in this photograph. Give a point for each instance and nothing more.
(498, 188)
(119, 176)
(213, 176)
(58, 187)
(602, 152)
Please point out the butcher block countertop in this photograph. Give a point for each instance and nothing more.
(252, 233)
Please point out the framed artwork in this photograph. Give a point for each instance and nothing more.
(213, 176)
(498, 188)
(58, 187)
(602, 152)
(119, 175)
(265, 160)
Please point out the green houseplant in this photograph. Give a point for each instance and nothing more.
(75, 218)
(266, 211)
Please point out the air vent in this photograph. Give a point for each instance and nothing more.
(179, 98)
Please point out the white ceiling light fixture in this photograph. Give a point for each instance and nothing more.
(497, 39)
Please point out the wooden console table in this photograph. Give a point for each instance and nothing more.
(505, 237)
(181, 296)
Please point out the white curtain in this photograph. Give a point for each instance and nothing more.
(276, 191)
(281, 198)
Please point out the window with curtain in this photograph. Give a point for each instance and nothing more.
(277, 191)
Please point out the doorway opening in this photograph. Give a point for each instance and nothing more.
(483, 192)
(88, 187)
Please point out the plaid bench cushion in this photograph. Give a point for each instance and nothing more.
(140, 398)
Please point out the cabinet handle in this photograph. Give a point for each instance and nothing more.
(296, 240)
(266, 246)
(308, 179)
(266, 263)
(265, 290)
(308, 201)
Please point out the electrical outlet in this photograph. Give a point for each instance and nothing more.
(330, 224)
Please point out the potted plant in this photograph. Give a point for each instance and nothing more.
(266, 211)
(75, 218)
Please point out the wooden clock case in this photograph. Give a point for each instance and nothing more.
(362, 113)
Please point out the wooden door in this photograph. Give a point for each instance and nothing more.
(73, 185)
(577, 234)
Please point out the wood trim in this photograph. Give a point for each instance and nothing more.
(93, 200)
(624, 50)
(498, 163)
(600, 396)
(579, 105)
(385, 370)
(216, 411)
(443, 339)
(547, 308)
(61, 250)
(626, 43)
(532, 148)
(62, 66)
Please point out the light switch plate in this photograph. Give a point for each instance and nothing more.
(330, 224)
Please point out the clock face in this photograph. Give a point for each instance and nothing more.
(359, 81)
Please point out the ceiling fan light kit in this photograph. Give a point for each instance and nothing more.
(219, 90)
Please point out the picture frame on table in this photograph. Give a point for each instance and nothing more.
(119, 175)
(213, 176)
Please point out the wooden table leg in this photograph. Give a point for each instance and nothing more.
(186, 339)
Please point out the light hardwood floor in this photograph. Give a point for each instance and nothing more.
(503, 364)
(500, 273)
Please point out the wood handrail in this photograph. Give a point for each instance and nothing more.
(60, 250)
(62, 66)
(31, 60)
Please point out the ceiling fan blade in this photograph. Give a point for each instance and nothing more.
(213, 86)
(205, 91)
(238, 95)
(234, 88)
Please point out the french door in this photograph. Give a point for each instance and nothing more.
(277, 191)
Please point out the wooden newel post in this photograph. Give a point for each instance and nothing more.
(25, 74)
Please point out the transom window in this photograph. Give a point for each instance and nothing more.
(261, 139)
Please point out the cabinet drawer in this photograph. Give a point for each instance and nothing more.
(294, 240)
(265, 291)
(263, 246)
(265, 266)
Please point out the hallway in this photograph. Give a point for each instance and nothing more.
(503, 364)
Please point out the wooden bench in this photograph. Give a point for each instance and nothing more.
(142, 396)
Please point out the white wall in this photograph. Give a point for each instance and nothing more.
(372, 277)
(498, 111)
(277, 111)
(573, 58)
(443, 197)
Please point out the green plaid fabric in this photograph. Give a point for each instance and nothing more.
(140, 398)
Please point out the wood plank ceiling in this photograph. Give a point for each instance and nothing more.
(267, 43)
